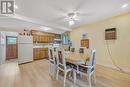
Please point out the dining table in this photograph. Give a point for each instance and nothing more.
(76, 58)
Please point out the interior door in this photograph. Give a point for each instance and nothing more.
(11, 47)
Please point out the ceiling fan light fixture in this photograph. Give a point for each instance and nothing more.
(71, 22)
(124, 5)
(72, 15)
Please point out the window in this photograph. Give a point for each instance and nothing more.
(11, 40)
(65, 39)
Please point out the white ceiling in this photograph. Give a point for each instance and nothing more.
(32, 14)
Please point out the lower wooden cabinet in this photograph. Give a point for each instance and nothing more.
(40, 53)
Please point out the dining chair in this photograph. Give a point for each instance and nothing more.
(61, 64)
(88, 70)
(52, 61)
(81, 50)
(72, 49)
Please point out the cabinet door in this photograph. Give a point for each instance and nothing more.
(46, 53)
(38, 38)
(51, 39)
(36, 53)
(34, 38)
(42, 54)
(48, 39)
(39, 52)
(41, 39)
(45, 39)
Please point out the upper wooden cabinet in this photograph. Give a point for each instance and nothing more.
(85, 43)
(43, 37)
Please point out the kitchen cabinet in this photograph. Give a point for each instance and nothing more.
(40, 53)
(46, 53)
(35, 53)
(44, 37)
(35, 38)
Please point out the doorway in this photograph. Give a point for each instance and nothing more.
(11, 47)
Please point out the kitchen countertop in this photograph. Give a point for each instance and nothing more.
(41, 46)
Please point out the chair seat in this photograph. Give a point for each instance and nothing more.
(68, 66)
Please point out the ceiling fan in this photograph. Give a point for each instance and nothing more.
(73, 16)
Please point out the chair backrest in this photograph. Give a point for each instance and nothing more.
(60, 57)
(51, 55)
(72, 49)
(81, 50)
(92, 61)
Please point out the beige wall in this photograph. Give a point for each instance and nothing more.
(120, 48)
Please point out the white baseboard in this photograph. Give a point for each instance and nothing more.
(125, 69)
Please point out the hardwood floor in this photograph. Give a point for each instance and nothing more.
(35, 74)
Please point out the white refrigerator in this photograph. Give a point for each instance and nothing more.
(2, 47)
(25, 49)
